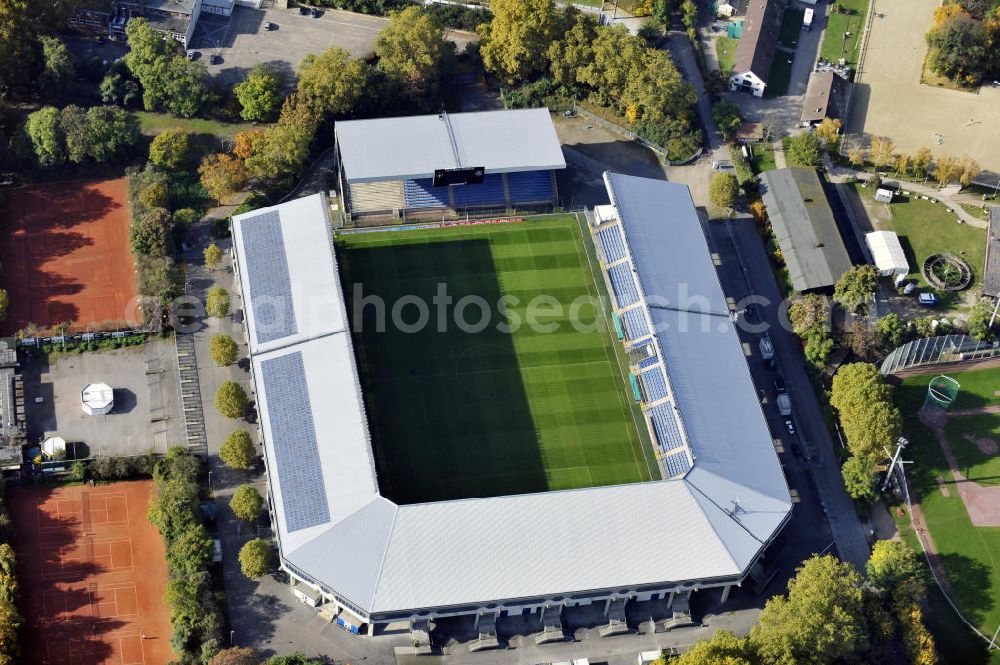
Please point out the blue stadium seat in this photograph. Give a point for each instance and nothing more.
(668, 433)
(421, 193)
(677, 463)
(490, 192)
(529, 186)
(612, 243)
(648, 362)
(623, 284)
(654, 384)
(635, 324)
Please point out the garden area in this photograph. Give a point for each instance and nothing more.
(725, 50)
(845, 24)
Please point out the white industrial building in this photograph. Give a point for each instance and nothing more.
(722, 502)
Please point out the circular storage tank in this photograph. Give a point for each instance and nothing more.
(97, 399)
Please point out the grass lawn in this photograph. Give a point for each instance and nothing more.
(152, 124)
(927, 228)
(835, 46)
(781, 74)
(763, 158)
(791, 26)
(486, 412)
(725, 50)
(970, 555)
(976, 211)
(962, 435)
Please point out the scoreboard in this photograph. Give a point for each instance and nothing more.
(466, 176)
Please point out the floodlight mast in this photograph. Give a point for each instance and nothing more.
(896, 461)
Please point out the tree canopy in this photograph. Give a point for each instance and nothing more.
(723, 648)
(224, 350)
(871, 422)
(213, 256)
(169, 148)
(412, 50)
(231, 400)
(58, 70)
(515, 42)
(723, 190)
(855, 289)
(169, 80)
(246, 503)
(46, 136)
(804, 149)
(217, 302)
(979, 320)
(222, 175)
(238, 451)
(255, 558)
(957, 48)
(237, 656)
(151, 234)
(893, 563)
(259, 94)
(331, 82)
(859, 474)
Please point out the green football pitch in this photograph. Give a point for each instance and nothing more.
(482, 410)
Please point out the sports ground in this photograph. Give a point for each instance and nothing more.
(65, 254)
(93, 573)
(968, 555)
(460, 413)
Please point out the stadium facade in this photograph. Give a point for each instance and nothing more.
(722, 500)
(430, 166)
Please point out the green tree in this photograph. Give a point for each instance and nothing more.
(154, 195)
(190, 551)
(821, 621)
(185, 87)
(224, 350)
(723, 648)
(723, 190)
(151, 233)
(727, 116)
(231, 400)
(246, 503)
(411, 49)
(259, 94)
(57, 71)
(168, 79)
(238, 451)
(170, 148)
(119, 86)
(890, 330)
(855, 289)
(957, 49)
(515, 42)
(73, 122)
(809, 314)
(185, 217)
(331, 82)
(112, 133)
(804, 150)
(979, 320)
(4, 304)
(236, 656)
(860, 478)
(213, 256)
(255, 558)
(217, 302)
(818, 347)
(46, 136)
(870, 421)
(893, 564)
(296, 658)
(222, 176)
(282, 151)
(572, 51)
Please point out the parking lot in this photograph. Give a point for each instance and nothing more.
(146, 415)
(242, 41)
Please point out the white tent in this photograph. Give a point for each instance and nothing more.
(97, 399)
(887, 253)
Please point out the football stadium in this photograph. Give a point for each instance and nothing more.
(504, 417)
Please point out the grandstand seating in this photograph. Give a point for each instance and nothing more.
(654, 384)
(529, 186)
(371, 196)
(648, 362)
(490, 192)
(421, 193)
(623, 284)
(668, 433)
(677, 463)
(634, 321)
(612, 243)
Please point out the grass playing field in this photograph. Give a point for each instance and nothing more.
(470, 413)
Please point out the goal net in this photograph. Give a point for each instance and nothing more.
(941, 392)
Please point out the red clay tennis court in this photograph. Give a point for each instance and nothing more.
(93, 573)
(65, 253)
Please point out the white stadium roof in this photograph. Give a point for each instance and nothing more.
(336, 530)
(415, 146)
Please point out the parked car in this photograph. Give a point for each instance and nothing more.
(313, 12)
(779, 384)
(790, 426)
(752, 313)
(269, 26)
(214, 59)
(193, 55)
(927, 300)
(304, 11)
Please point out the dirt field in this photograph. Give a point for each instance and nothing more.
(65, 255)
(890, 100)
(93, 574)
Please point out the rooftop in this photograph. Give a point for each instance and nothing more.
(991, 275)
(757, 45)
(804, 226)
(416, 146)
(825, 97)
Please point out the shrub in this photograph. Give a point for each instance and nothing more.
(246, 503)
(224, 350)
(255, 558)
(213, 257)
(231, 400)
(78, 472)
(169, 148)
(4, 304)
(238, 450)
(154, 196)
(186, 216)
(217, 304)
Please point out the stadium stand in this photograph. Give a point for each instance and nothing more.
(530, 187)
(648, 361)
(654, 384)
(373, 196)
(635, 324)
(490, 192)
(612, 243)
(422, 193)
(668, 434)
(623, 284)
(677, 463)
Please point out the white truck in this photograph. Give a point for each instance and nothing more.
(807, 20)
(784, 404)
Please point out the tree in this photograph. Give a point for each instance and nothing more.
(870, 421)
(859, 475)
(246, 503)
(723, 190)
(864, 341)
(222, 175)
(154, 195)
(185, 217)
(112, 132)
(169, 149)
(946, 169)
(727, 116)
(881, 151)
(332, 82)
(168, 79)
(58, 71)
(213, 256)
(856, 155)
(259, 94)
(723, 648)
(296, 658)
(922, 162)
(231, 400)
(224, 350)
(411, 50)
(236, 656)
(818, 347)
(809, 314)
(892, 564)
(46, 136)
(217, 302)
(970, 170)
(73, 122)
(515, 42)
(255, 558)
(189, 551)
(957, 49)
(244, 142)
(4, 304)
(979, 320)
(855, 289)
(890, 330)
(903, 161)
(820, 622)
(151, 233)
(282, 151)
(238, 451)
(828, 132)
(804, 150)
(119, 86)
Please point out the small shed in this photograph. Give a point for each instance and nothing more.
(883, 195)
(97, 399)
(890, 259)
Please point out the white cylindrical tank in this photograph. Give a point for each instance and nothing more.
(97, 399)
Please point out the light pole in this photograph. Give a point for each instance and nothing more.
(231, 633)
(209, 480)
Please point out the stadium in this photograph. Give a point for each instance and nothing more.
(417, 473)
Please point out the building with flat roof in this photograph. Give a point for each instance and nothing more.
(757, 45)
(804, 227)
(826, 97)
(722, 501)
(991, 273)
(12, 421)
(449, 162)
(174, 18)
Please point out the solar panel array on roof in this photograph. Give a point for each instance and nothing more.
(267, 272)
(293, 438)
